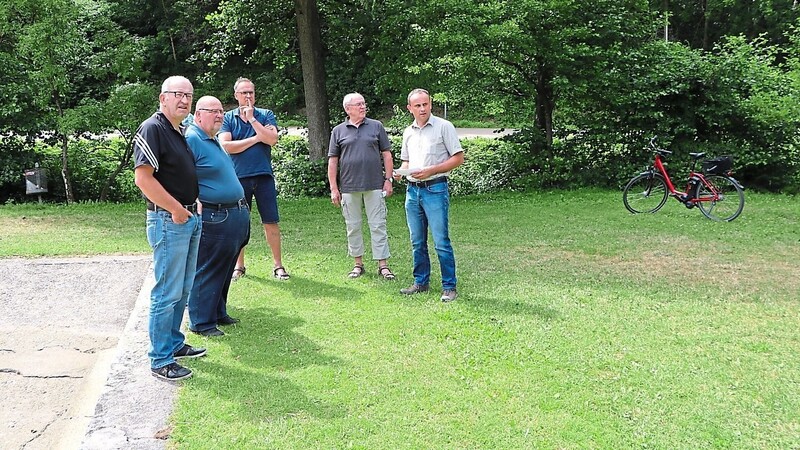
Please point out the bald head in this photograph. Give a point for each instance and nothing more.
(209, 114)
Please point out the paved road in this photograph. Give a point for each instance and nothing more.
(73, 364)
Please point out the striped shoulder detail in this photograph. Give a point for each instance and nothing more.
(139, 141)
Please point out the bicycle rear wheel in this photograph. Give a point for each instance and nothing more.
(729, 203)
(645, 193)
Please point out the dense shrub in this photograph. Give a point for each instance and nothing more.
(737, 100)
(16, 155)
(490, 165)
(91, 162)
(296, 175)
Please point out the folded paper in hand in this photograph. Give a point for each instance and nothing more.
(405, 172)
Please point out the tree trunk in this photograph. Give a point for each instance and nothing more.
(313, 65)
(70, 196)
(65, 169)
(545, 103)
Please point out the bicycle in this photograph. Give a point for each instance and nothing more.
(714, 191)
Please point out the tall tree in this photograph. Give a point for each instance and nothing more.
(257, 37)
(524, 56)
(67, 52)
(313, 63)
(702, 23)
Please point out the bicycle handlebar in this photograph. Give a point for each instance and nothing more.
(655, 148)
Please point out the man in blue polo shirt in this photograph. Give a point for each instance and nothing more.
(248, 134)
(165, 173)
(226, 221)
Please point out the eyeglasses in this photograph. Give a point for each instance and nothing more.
(359, 104)
(246, 93)
(179, 94)
(212, 111)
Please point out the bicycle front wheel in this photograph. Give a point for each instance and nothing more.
(721, 200)
(645, 193)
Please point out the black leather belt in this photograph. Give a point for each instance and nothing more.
(153, 207)
(428, 182)
(218, 206)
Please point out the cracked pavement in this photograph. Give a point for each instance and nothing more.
(73, 364)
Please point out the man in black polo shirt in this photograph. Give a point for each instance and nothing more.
(165, 173)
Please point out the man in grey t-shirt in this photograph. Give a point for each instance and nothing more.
(360, 171)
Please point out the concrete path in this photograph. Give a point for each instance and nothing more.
(73, 366)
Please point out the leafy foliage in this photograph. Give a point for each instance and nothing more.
(296, 174)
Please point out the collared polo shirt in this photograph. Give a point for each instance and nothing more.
(256, 160)
(159, 145)
(359, 149)
(215, 173)
(432, 144)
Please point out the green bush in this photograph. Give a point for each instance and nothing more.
(295, 174)
(91, 162)
(489, 165)
(16, 155)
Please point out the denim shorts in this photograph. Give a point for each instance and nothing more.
(263, 188)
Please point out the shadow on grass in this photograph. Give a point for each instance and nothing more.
(247, 382)
(493, 305)
(299, 287)
(251, 394)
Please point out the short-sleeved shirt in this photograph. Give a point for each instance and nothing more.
(215, 173)
(432, 144)
(159, 145)
(359, 151)
(256, 160)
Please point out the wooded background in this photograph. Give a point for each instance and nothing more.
(587, 82)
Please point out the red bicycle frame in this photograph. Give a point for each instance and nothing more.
(686, 196)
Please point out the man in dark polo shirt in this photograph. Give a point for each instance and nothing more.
(360, 171)
(165, 173)
(226, 221)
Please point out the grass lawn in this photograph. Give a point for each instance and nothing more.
(578, 325)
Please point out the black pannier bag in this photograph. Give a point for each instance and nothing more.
(720, 165)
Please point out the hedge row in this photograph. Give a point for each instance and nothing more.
(516, 163)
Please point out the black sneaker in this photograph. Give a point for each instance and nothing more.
(172, 372)
(227, 320)
(209, 333)
(187, 351)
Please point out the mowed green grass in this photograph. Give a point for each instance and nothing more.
(578, 325)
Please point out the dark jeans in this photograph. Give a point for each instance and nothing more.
(224, 233)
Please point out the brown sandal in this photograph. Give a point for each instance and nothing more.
(386, 273)
(357, 271)
(281, 276)
(238, 273)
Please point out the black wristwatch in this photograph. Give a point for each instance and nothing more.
(389, 179)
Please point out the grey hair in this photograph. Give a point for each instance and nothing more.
(241, 80)
(165, 86)
(349, 97)
(415, 92)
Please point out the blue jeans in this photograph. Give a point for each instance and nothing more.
(224, 233)
(429, 207)
(174, 262)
